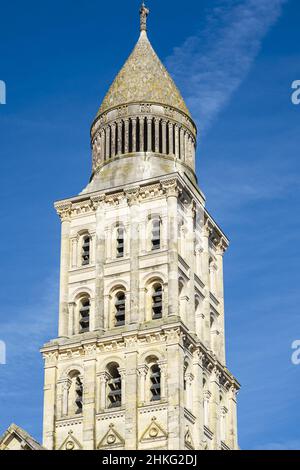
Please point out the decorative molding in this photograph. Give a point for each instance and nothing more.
(153, 432)
(111, 439)
(71, 443)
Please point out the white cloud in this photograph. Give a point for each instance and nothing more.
(211, 65)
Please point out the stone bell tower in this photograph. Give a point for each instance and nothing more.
(139, 362)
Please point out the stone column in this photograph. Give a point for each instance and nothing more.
(190, 255)
(50, 400)
(206, 408)
(198, 399)
(206, 279)
(189, 152)
(176, 141)
(163, 379)
(189, 390)
(113, 139)
(107, 146)
(149, 134)
(102, 140)
(126, 145)
(122, 373)
(193, 153)
(99, 205)
(214, 408)
(164, 137)
(89, 398)
(171, 138)
(119, 141)
(157, 135)
(220, 294)
(104, 377)
(182, 144)
(233, 437)
(172, 192)
(142, 372)
(65, 397)
(131, 430)
(133, 203)
(133, 120)
(142, 133)
(186, 147)
(71, 326)
(65, 215)
(74, 253)
(175, 361)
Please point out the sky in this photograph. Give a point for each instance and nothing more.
(234, 61)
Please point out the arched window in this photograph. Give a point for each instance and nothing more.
(156, 234)
(86, 248)
(157, 302)
(114, 384)
(155, 381)
(120, 242)
(84, 314)
(120, 309)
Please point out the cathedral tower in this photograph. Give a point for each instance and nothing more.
(139, 362)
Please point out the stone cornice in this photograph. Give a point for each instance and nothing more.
(174, 333)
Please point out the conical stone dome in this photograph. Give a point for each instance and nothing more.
(143, 78)
(143, 128)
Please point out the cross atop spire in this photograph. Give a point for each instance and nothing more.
(144, 12)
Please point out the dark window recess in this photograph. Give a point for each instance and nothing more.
(155, 383)
(79, 394)
(85, 316)
(157, 303)
(86, 251)
(120, 309)
(120, 242)
(115, 389)
(156, 234)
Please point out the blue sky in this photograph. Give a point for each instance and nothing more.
(234, 61)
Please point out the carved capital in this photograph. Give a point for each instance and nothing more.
(143, 370)
(207, 229)
(64, 210)
(221, 247)
(50, 358)
(132, 195)
(98, 201)
(171, 187)
(104, 377)
(90, 349)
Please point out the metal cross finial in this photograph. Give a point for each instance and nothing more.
(144, 12)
